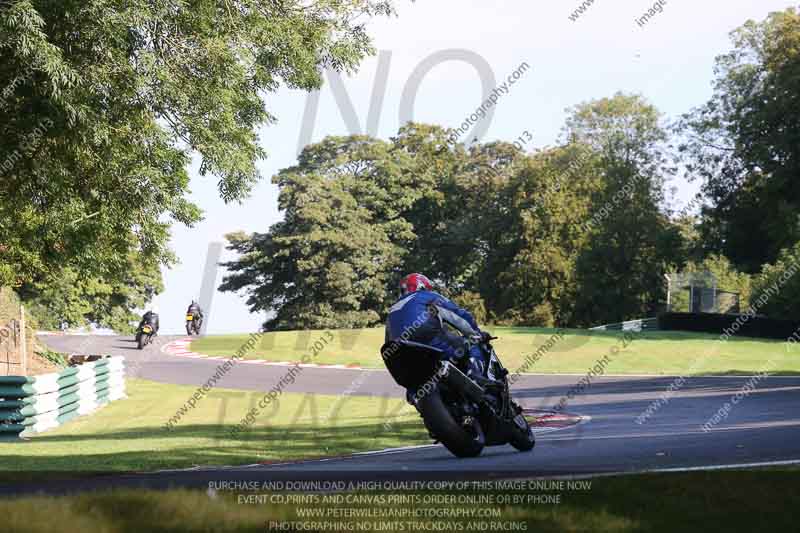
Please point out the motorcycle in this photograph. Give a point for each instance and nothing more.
(144, 335)
(192, 324)
(462, 413)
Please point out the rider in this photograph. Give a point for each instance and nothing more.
(150, 317)
(420, 315)
(196, 311)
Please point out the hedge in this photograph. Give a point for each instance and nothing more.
(742, 325)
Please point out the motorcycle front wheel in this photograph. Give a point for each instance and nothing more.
(522, 437)
(461, 441)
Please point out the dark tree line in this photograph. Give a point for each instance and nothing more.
(503, 231)
(103, 104)
(576, 234)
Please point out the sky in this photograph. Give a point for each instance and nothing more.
(669, 60)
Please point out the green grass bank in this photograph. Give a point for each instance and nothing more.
(652, 352)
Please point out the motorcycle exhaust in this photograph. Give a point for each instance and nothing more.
(458, 380)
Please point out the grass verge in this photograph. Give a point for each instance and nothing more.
(129, 435)
(700, 501)
(654, 352)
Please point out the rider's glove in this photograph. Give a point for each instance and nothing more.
(481, 338)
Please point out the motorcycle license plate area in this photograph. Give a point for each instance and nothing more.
(189, 317)
(147, 329)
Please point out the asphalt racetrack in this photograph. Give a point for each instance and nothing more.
(762, 428)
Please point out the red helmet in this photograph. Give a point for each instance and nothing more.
(413, 283)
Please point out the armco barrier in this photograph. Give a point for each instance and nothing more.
(641, 324)
(31, 405)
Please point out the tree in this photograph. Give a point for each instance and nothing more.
(548, 198)
(726, 276)
(743, 144)
(72, 299)
(442, 237)
(776, 290)
(462, 214)
(631, 242)
(373, 210)
(104, 103)
(693, 247)
(331, 261)
(500, 231)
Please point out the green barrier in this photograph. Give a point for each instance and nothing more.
(17, 392)
(100, 367)
(67, 381)
(68, 372)
(22, 408)
(14, 409)
(14, 380)
(12, 416)
(11, 428)
(30, 400)
(12, 404)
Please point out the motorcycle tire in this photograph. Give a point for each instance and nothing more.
(522, 439)
(440, 423)
(140, 341)
(189, 328)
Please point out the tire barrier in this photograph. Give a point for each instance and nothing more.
(31, 405)
(641, 324)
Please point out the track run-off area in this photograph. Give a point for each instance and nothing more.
(619, 424)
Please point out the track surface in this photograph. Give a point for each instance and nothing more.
(763, 427)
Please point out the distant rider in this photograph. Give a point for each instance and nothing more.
(150, 317)
(421, 315)
(196, 311)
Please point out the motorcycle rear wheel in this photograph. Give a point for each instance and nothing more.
(188, 328)
(140, 341)
(460, 441)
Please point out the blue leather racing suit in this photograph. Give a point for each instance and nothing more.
(421, 317)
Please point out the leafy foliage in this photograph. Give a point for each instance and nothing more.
(548, 199)
(60, 360)
(501, 231)
(329, 262)
(743, 144)
(72, 299)
(777, 288)
(103, 105)
(727, 277)
(631, 243)
(472, 302)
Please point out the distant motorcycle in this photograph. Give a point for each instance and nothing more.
(463, 414)
(192, 324)
(144, 335)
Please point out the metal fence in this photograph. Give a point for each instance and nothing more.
(698, 292)
(16, 342)
(640, 324)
